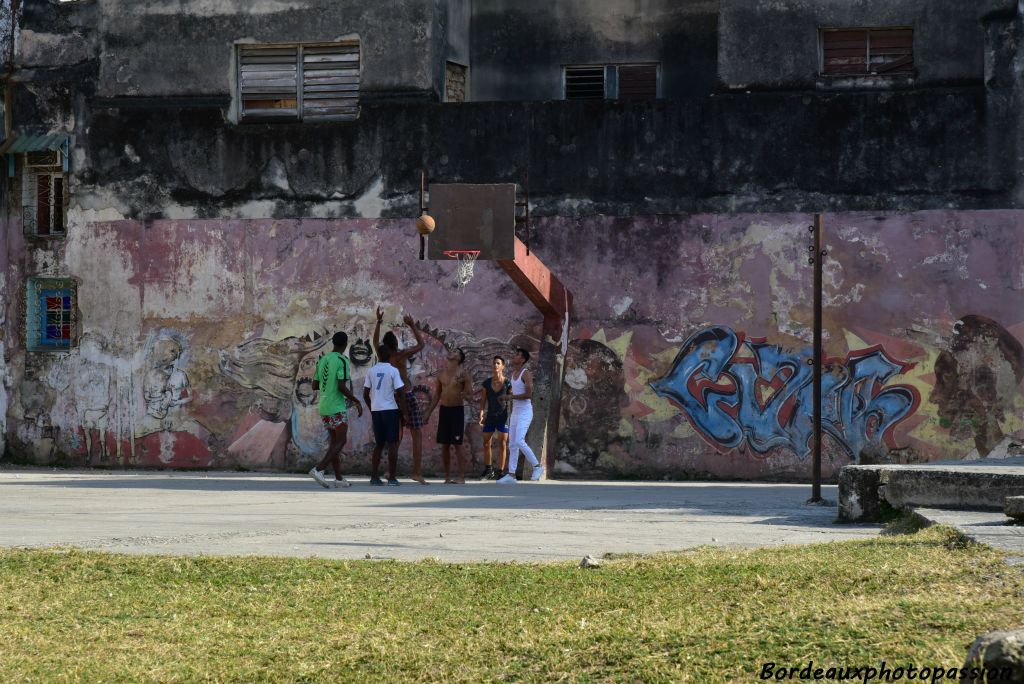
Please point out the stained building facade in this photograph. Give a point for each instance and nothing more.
(195, 193)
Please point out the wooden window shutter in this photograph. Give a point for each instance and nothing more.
(891, 50)
(638, 82)
(844, 51)
(330, 82)
(584, 83)
(268, 82)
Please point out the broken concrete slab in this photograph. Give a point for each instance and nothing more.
(866, 491)
(984, 527)
(1014, 507)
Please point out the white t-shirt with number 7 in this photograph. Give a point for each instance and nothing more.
(382, 381)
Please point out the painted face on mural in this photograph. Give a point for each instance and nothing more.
(361, 352)
(165, 352)
(976, 380)
(592, 400)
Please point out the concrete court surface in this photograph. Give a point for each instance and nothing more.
(290, 515)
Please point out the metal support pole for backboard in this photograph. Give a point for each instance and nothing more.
(816, 259)
(525, 218)
(423, 210)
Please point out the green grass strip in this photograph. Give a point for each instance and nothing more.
(703, 616)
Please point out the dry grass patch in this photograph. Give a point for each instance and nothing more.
(705, 615)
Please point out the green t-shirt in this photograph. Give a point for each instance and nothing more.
(329, 369)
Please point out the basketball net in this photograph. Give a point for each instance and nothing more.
(467, 260)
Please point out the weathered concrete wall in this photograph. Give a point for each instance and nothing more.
(776, 44)
(687, 355)
(928, 149)
(519, 47)
(169, 48)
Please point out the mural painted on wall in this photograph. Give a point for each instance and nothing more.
(167, 433)
(976, 383)
(740, 392)
(282, 428)
(283, 409)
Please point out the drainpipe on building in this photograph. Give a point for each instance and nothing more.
(816, 259)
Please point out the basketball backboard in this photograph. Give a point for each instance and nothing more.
(473, 217)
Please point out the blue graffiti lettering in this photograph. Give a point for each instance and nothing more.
(736, 391)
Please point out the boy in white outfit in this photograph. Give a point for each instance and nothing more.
(382, 393)
(522, 416)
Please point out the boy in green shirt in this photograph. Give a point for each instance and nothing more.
(331, 379)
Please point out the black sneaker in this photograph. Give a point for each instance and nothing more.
(496, 475)
(488, 473)
(376, 482)
(393, 482)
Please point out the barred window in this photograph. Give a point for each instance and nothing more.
(299, 82)
(44, 194)
(51, 314)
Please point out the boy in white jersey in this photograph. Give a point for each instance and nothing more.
(522, 416)
(382, 394)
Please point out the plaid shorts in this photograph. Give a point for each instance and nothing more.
(415, 408)
(335, 421)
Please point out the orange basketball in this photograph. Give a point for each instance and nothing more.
(425, 224)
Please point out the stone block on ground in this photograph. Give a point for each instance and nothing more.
(997, 650)
(1013, 506)
(859, 497)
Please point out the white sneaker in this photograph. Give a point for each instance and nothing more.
(319, 477)
(538, 473)
(507, 479)
(341, 483)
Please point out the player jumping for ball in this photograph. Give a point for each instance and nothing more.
(414, 417)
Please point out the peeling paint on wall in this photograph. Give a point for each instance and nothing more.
(198, 339)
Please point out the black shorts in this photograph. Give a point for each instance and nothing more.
(386, 426)
(451, 425)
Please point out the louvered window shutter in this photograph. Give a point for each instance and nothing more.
(584, 83)
(268, 82)
(862, 52)
(892, 51)
(844, 52)
(330, 82)
(638, 82)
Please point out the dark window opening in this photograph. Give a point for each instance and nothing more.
(455, 77)
(44, 202)
(864, 52)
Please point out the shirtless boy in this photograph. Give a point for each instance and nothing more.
(414, 417)
(454, 388)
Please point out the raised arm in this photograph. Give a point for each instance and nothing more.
(376, 331)
(418, 347)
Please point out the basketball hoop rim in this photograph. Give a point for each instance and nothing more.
(456, 253)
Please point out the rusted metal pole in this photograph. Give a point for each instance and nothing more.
(423, 209)
(819, 257)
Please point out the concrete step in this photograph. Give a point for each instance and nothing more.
(865, 492)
